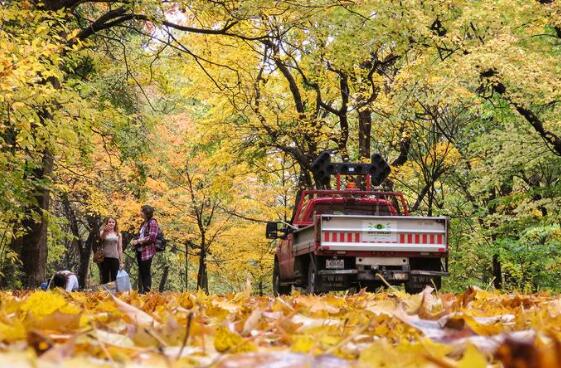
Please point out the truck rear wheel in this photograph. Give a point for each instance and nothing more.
(312, 284)
(278, 289)
(417, 284)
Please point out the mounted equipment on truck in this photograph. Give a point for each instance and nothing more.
(356, 236)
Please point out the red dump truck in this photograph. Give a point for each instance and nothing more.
(357, 237)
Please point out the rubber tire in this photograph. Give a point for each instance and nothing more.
(312, 283)
(417, 289)
(278, 289)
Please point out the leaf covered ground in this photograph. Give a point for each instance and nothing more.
(394, 329)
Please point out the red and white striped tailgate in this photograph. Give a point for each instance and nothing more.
(407, 234)
(341, 236)
(354, 237)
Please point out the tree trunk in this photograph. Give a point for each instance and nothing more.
(504, 190)
(497, 273)
(164, 279)
(86, 251)
(202, 277)
(76, 244)
(8, 270)
(84, 248)
(364, 133)
(33, 244)
(187, 266)
(431, 199)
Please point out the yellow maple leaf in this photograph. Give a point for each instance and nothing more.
(228, 341)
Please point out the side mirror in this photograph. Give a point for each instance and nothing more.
(272, 231)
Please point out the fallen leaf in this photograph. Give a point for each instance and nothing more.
(134, 314)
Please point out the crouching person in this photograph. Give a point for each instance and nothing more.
(66, 280)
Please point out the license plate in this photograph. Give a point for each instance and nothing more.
(400, 276)
(335, 263)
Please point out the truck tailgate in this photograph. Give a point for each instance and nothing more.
(383, 233)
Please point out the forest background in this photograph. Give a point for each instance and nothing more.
(212, 112)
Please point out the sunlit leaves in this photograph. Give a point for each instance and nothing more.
(475, 329)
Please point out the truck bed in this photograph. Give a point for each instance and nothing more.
(373, 233)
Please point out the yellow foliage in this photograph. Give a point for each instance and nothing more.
(12, 332)
(41, 304)
(265, 330)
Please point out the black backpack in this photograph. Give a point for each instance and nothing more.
(160, 241)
